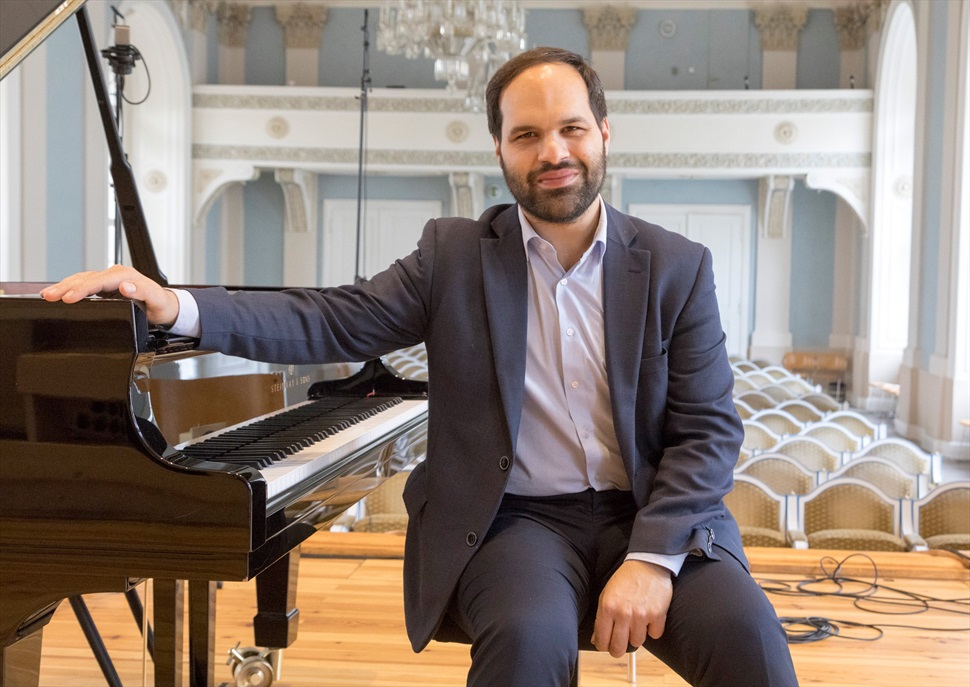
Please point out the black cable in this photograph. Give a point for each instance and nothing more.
(822, 628)
(148, 74)
(865, 595)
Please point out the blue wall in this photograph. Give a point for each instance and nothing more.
(264, 213)
(813, 267)
(713, 49)
(66, 84)
(265, 49)
(557, 28)
(818, 52)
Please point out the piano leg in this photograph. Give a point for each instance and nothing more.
(169, 599)
(275, 623)
(169, 632)
(20, 661)
(202, 633)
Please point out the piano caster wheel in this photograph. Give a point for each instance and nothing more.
(252, 667)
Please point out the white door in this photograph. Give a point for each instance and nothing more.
(391, 230)
(726, 231)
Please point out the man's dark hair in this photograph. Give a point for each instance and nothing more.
(531, 58)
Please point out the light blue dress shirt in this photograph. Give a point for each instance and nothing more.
(567, 442)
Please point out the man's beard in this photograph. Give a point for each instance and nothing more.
(558, 205)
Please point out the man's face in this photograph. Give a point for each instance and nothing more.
(552, 152)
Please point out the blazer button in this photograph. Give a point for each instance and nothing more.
(471, 539)
(504, 463)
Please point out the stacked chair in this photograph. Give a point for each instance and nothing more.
(941, 519)
(849, 513)
(760, 512)
(813, 473)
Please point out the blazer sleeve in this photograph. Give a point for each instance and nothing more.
(701, 432)
(304, 326)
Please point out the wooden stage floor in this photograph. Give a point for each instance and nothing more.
(352, 625)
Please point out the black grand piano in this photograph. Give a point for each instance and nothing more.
(126, 453)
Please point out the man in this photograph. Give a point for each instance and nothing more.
(581, 429)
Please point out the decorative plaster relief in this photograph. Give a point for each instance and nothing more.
(277, 127)
(456, 131)
(850, 23)
(233, 21)
(779, 25)
(786, 133)
(302, 25)
(204, 177)
(639, 161)
(775, 213)
(877, 14)
(155, 181)
(738, 160)
(299, 197)
(608, 26)
(411, 158)
(199, 11)
(766, 105)
(903, 188)
(852, 186)
(741, 106)
(462, 194)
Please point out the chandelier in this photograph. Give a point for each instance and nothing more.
(468, 39)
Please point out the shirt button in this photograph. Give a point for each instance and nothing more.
(504, 463)
(570, 331)
(574, 384)
(563, 282)
(471, 538)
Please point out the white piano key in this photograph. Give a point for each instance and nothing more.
(301, 466)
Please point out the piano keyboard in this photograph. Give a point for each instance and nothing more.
(291, 446)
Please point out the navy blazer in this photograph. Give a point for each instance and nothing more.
(464, 293)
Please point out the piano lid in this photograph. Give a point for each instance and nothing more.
(26, 23)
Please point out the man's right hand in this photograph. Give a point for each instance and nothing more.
(160, 305)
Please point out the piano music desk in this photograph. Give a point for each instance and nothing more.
(352, 626)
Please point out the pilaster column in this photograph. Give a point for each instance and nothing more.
(300, 228)
(779, 26)
(608, 28)
(851, 24)
(771, 337)
(302, 31)
(231, 236)
(945, 385)
(233, 21)
(467, 194)
(846, 284)
(197, 19)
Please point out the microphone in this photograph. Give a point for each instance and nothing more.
(122, 55)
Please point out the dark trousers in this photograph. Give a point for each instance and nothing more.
(528, 600)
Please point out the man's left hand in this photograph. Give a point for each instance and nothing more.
(633, 604)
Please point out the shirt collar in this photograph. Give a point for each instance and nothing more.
(599, 237)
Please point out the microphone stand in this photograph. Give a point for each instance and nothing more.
(121, 57)
(364, 84)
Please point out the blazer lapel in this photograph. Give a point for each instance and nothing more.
(626, 280)
(505, 278)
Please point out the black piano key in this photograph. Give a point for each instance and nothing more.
(272, 439)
